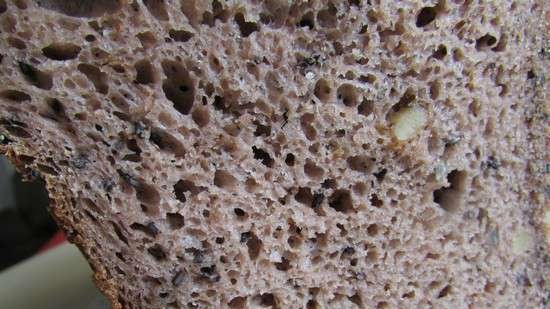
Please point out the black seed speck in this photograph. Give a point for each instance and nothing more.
(318, 198)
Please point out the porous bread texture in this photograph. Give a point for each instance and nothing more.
(308, 154)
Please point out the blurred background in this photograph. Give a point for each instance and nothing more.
(25, 224)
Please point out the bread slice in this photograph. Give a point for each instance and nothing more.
(289, 154)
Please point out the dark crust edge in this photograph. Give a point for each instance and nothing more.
(58, 208)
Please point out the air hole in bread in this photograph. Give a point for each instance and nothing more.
(54, 110)
(120, 256)
(9, 24)
(444, 292)
(157, 252)
(157, 8)
(360, 188)
(369, 78)
(440, 52)
(223, 179)
(46, 169)
(356, 299)
(14, 95)
(88, 203)
(372, 230)
(96, 76)
(251, 185)
(406, 99)
(179, 190)
(246, 27)
(372, 255)
(187, 186)
(90, 38)
(307, 20)
(167, 142)
(147, 194)
(145, 72)
(175, 221)
(458, 55)
(82, 8)
(326, 18)
(40, 79)
(3, 6)
(338, 48)
(475, 108)
(61, 51)
(450, 197)
(312, 170)
(147, 39)
(426, 16)
(219, 104)
(238, 303)
(119, 233)
(375, 201)
(312, 304)
(361, 163)
(178, 86)
(323, 90)
(304, 196)
(122, 116)
(239, 212)
(410, 294)
(485, 42)
(294, 242)
(366, 107)
(263, 156)
(290, 159)
(180, 35)
(120, 102)
(267, 300)
(69, 24)
(283, 265)
(262, 130)
(266, 18)
(209, 17)
(14, 128)
(254, 246)
(347, 94)
(132, 145)
(306, 121)
(150, 229)
(435, 89)
(210, 273)
(341, 201)
(200, 116)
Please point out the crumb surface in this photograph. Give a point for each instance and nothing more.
(313, 154)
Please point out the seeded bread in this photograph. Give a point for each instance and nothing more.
(289, 154)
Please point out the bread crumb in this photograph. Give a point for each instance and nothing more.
(407, 122)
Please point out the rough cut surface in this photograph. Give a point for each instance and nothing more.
(308, 154)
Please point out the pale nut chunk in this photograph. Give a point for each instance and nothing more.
(407, 122)
(522, 242)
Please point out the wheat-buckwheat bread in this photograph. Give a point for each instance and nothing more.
(289, 154)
